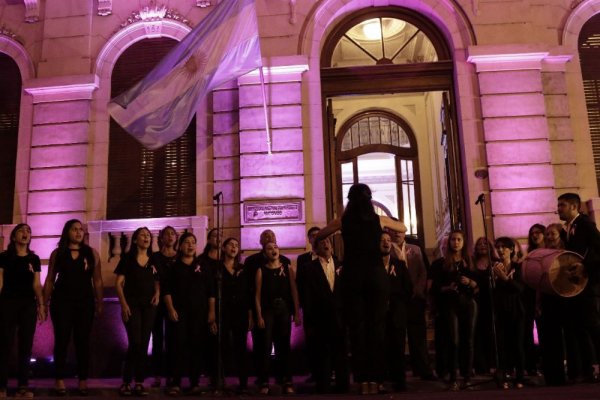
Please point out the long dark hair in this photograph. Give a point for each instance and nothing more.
(12, 245)
(162, 232)
(64, 241)
(466, 257)
(207, 246)
(530, 244)
(182, 238)
(132, 253)
(236, 260)
(359, 205)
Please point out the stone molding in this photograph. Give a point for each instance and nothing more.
(64, 88)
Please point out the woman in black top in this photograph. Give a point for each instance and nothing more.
(210, 255)
(531, 300)
(236, 311)
(20, 286)
(454, 286)
(74, 279)
(510, 312)
(138, 290)
(276, 301)
(484, 345)
(190, 302)
(163, 259)
(365, 285)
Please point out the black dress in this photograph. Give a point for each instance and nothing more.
(17, 313)
(138, 292)
(190, 287)
(72, 308)
(366, 295)
(276, 309)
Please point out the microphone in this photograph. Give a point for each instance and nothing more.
(216, 196)
(480, 199)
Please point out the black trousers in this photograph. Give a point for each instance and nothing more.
(161, 363)
(189, 337)
(366, 295)
(460, 319)
(72, 318)
(511, 350)
(16, 315)
(331, 354)
(277, 333)
(234, 353)
(139, 327)
(416, 329)
(395, 339)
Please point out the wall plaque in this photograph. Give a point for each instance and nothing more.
(273, 211)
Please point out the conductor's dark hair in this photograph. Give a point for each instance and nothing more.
(359, 205)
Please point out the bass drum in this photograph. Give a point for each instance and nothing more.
(554, 271)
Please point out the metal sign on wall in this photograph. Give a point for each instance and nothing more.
(273, 211)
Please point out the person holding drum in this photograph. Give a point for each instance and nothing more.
(582, 236)
(510, 313)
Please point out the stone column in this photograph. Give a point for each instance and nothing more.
(59, 155)
(517, 137)
(279, 176)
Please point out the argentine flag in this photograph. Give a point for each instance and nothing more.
(224, 46)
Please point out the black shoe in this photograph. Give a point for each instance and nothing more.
(429, 377)
(60, 392)
(140, 390)
(125, 390)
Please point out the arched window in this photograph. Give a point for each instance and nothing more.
(146, 183)
(383, 39)
(589, 56)
(378, 148)
(10, 102)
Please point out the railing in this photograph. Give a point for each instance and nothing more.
(111, 238)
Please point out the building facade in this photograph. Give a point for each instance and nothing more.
(430, 102)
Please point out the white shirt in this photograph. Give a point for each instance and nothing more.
(329, 270)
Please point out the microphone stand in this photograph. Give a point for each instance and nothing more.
(492, 286)
(220, 375)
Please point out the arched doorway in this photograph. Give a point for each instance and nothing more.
(379, 148)
(392, 61)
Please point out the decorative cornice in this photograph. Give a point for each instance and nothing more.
(32, 10)
(154, 14)
(104, 7)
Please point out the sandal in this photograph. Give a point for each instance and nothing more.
(288, 389)
(264, 391)
(174, 391)
(125, 389)
(24, 393)
(140, 390)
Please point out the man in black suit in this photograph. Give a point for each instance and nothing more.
(416, 324)
(302, 263)
(401, 292)
(323, 312)
(583, 311)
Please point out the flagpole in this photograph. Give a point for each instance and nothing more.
(264, 95)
